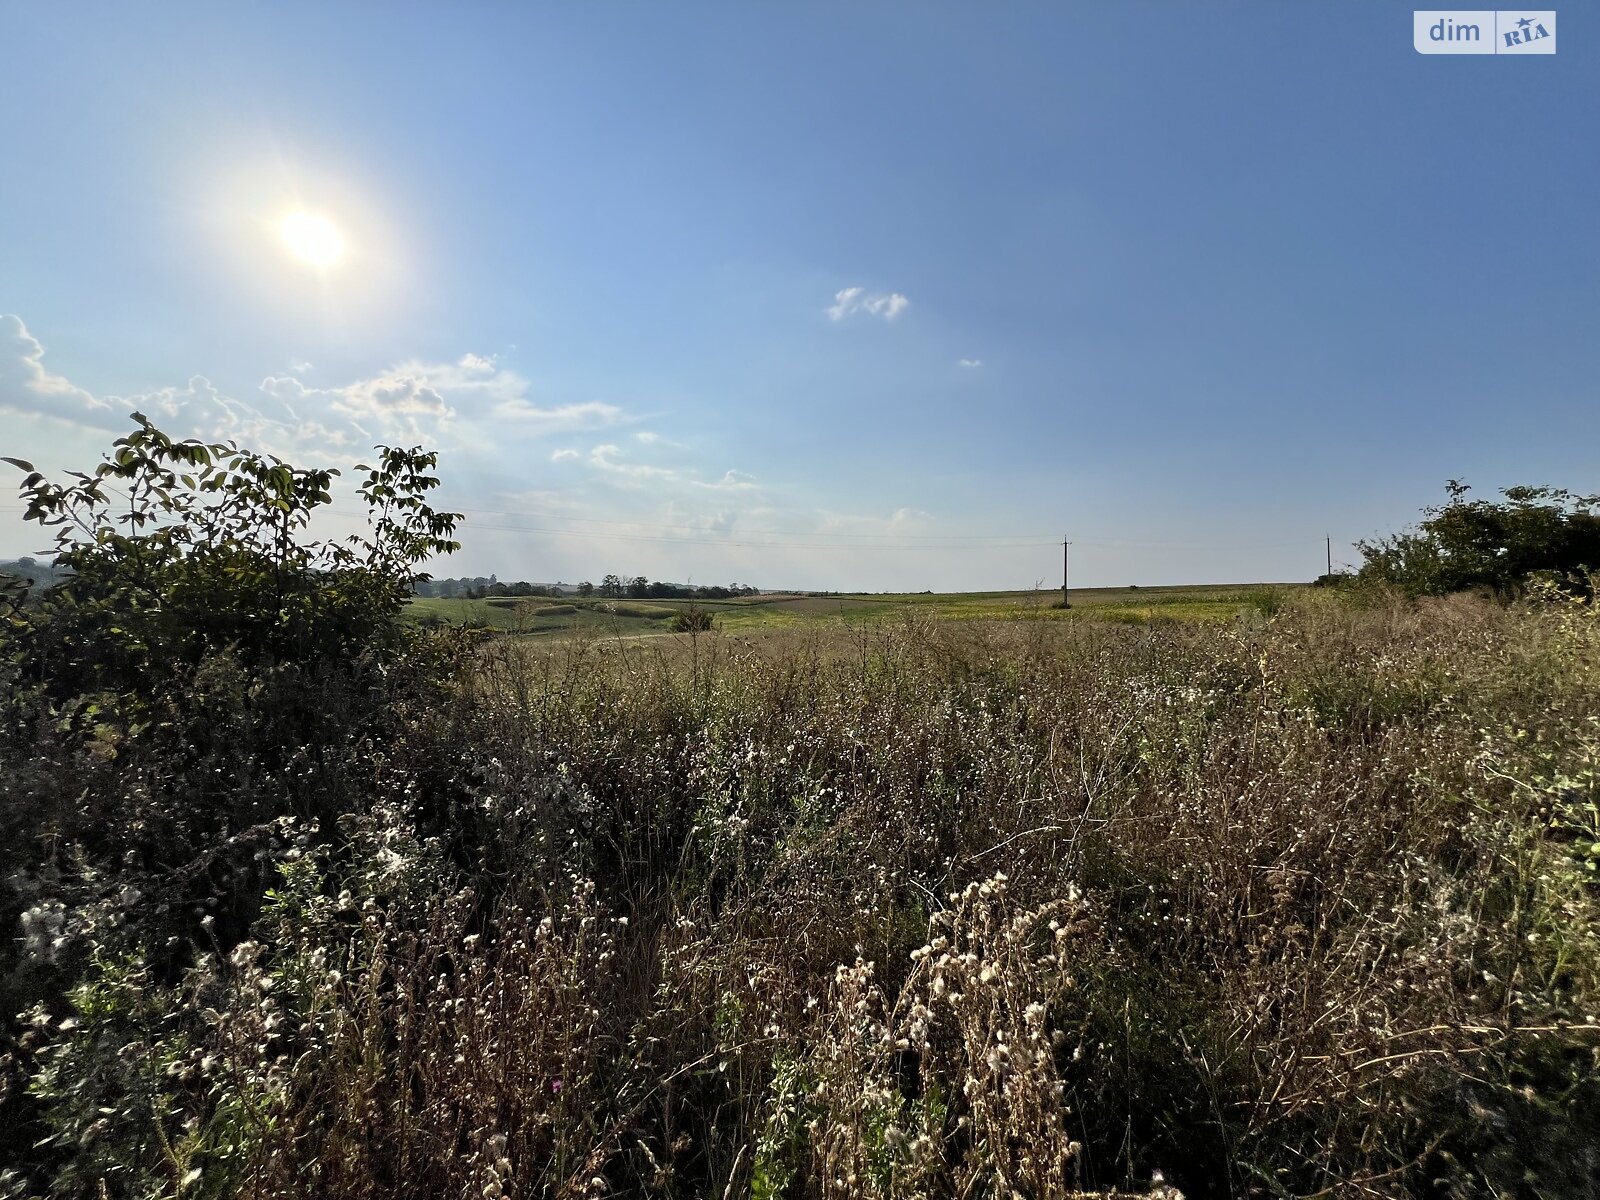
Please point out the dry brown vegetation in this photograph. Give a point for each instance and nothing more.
(1300, 905)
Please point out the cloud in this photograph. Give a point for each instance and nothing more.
(27, 386)
(205, 412)
(612, 461)
(887, 307)
(902, 520)
(283, 416)
(460, 403)
(387, 407)
(645, 436)
(733, 481)
(591, 415)
(969, 362)
(851, 300)
(542, 498)
(387, 395)
(608, 458)
(845, 301)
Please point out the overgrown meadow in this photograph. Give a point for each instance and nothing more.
(1299, 904)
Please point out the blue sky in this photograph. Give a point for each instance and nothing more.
(858, 296)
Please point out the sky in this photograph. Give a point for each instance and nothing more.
(881, 296)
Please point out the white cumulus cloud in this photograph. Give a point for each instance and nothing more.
(469, 401)
(851, 300)
(283, 416)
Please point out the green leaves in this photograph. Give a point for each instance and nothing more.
(1480, 544)
(201, 546)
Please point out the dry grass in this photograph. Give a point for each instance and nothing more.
(1297, 905)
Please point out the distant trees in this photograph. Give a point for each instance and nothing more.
(480, 587)
(610, 587)
(640, 588)
(1465, 544)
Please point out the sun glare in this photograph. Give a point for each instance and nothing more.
(312, 239)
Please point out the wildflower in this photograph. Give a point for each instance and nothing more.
(42, 927)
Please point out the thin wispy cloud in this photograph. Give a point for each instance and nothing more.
(733, 481)
(562, 418)
(903, 520)
(852, 300)
(610, 461)
(969, 362)
(613, 461)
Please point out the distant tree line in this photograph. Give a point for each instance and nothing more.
(33, 572)
(478, 587)
(611, 587)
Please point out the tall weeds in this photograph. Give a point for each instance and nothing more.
(1301, 906)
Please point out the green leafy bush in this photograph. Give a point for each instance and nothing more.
(202, 672)
(1465, 544)
(177, 548)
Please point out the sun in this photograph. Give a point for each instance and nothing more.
(312, 239)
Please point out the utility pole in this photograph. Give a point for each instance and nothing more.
(1066, 599)
(1329, 540)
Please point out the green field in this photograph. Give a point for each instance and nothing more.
(556, 617)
